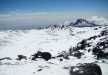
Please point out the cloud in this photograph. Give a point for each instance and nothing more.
(40, 18)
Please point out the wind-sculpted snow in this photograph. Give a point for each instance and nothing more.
(53, 50)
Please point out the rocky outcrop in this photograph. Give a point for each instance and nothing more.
(5, 58)
(20, 57)
(86, 69)
(98, 48)
(45, 55)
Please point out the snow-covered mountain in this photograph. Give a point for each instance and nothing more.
(79, 42)
(83, 23)
(80, 22)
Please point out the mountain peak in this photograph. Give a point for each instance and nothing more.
(80, 20)
(82, 23)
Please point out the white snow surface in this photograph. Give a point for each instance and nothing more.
(28, 42)
(31, 41)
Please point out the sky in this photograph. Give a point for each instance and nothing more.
(40, 12)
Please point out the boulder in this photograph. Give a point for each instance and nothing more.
(45, 55)
(86, 69)
(20, 57)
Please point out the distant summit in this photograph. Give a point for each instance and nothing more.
(82, 23)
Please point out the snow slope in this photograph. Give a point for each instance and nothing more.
(53, 40)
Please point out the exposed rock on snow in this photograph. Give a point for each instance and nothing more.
(86, 69)
(20, 57)
(5, 58)
(99, 49)
(44, 55)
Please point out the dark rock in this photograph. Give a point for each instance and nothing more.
(100, 48)
(104, 32)
(63, 54)
(86, 69)
(7, 58)
(94, 37)
(44, 55)
(20, 57)
(61, 59)
(75, 52)
(82, 44)
(95, 28)
(100, 27)
(39, 70)
(78, 54)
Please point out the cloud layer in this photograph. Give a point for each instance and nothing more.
(40, 18)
